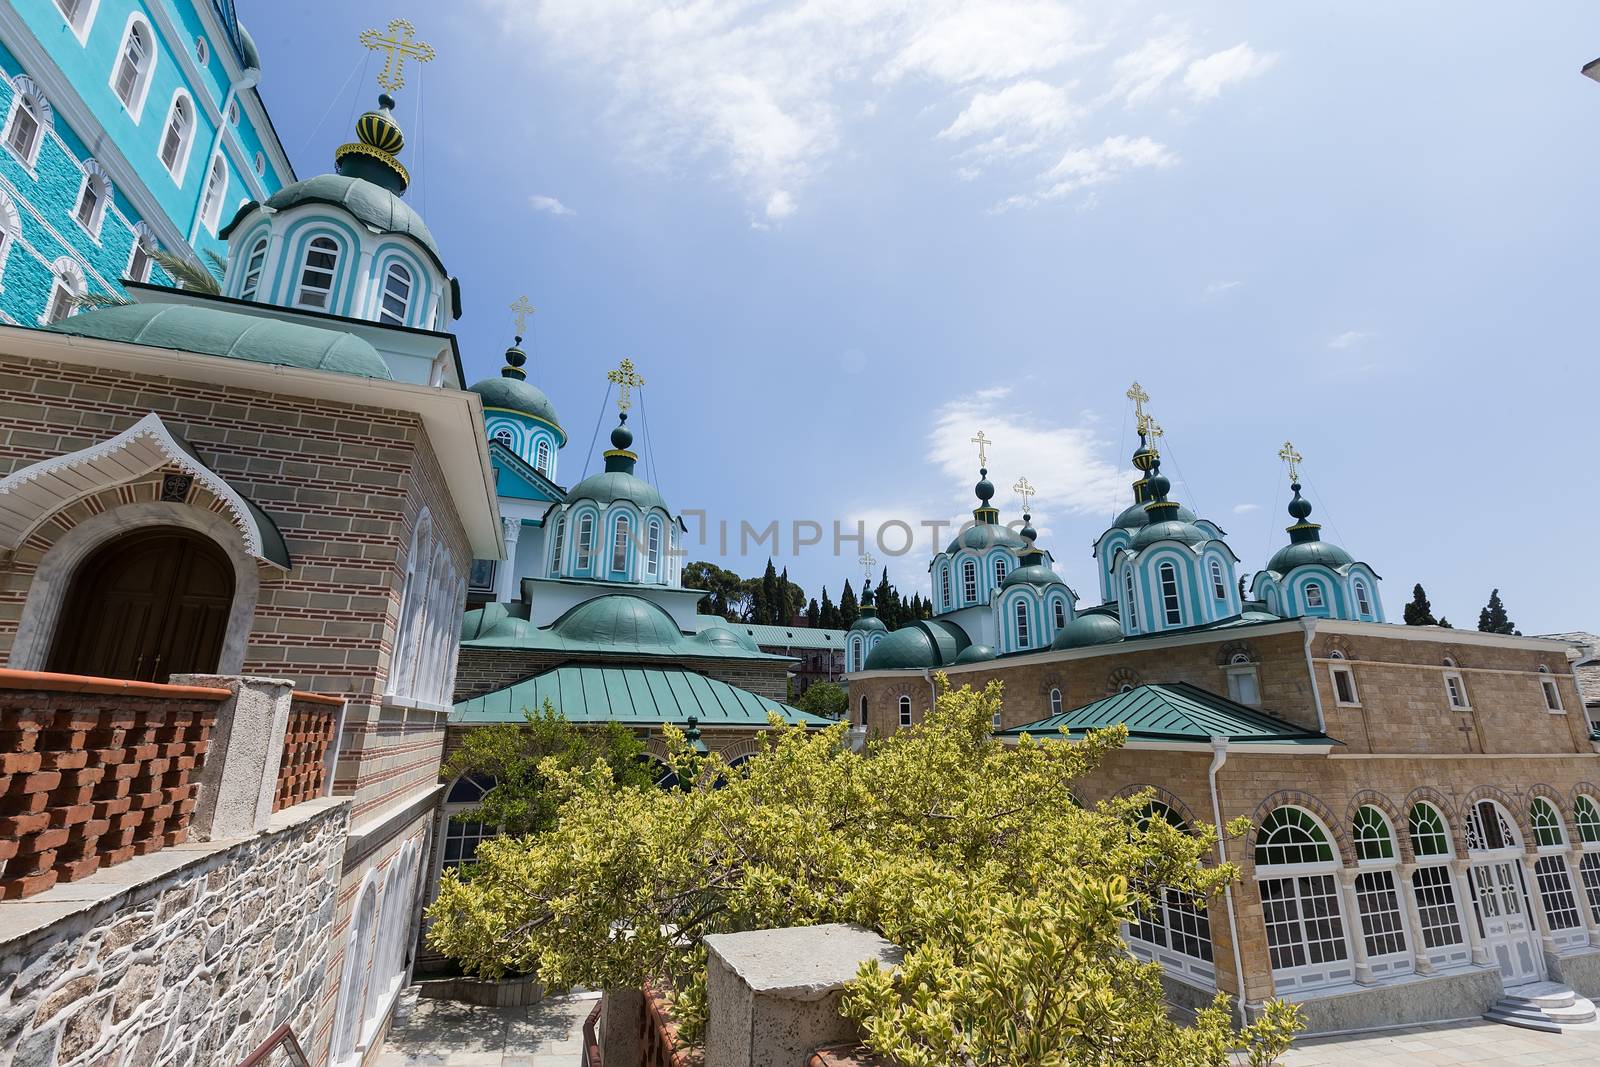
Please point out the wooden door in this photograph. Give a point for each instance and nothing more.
(148, 604)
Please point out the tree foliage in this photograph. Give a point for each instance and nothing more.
(969, 853)
(824, 698)
(1419, 612)
(1493, 618)
(526, 760)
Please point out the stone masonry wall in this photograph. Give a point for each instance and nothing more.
(194, 968)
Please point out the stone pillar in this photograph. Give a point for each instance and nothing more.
(505, 576)
(773, 995)
(1546, 940)
(1580, 893)
(1358, 938)
(621, 1033)
(1468, 912)
(1408, 902)
(240, 776)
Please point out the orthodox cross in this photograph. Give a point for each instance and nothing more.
(625, 379)
(1026, 491)
(983, 443)
(1137, 394)
(522, 309)
(1151, 429)
(867, 563)
(1292, 458)
(400, 45)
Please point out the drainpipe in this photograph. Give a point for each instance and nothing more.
(247, 80)
(1310, 626)
(933, 690)
(1219, 756)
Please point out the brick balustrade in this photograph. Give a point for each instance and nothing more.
(94, 771)
(303, 773)
(659, 1042)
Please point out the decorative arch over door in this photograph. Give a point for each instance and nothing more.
(145, 605)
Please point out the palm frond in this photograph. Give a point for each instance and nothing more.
(86, 301)
(191, 275)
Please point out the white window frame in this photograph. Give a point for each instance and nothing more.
(541, 456)
(1552, 692)
(10, 230)
(68, 284)
(905, 710)
(620, 532)
(1171, 593)
(214, 193)
(1241, 672)
(318, 245)
(81, 18)
(359, 947)
(95, 182)
(409, 280)
(652, 554)
(1055, 701)
(560, 543)
(144, 76)
(34, 103)
(969, 581)
(202, 51)
(1172, 926)
(1380, 897)
(1436, 892)
(255, 265)
(1019, 614)
(1318, 881)
(1219, 587)
(999, 571)
(1455, 688)
(1131, 608)
(1586, 820)
(415, 588)
(585, 539)
(261, 165)
(1338, 669)
(944, 584)
(1314, 595)
(1363, 598)
(179, 166)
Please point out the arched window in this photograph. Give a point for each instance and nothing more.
(905, 711)
(1547, 831)
(358, 950)
(132, 72)
(462, 837)
(1243, 684)
(216, 190)
(1305, 926)
(1175, 929)
(176, 137)
(1370, 831)
(1130, 607)
(1219, 587)
(1552, 692)
(413, 602)
(1055, 702)
(396, 295)
(1344, 681)
(652, 555)
(1021, 613)
(65, 291)
(92, 197)
(585, 541)
(260, 164)
(999, 571)
(10, 228)
(619, 545)
(1060, 609)
(1313, 594)
(1170, 604)
(541, 457)
(506, 437)
(202, 51)
(1489, 829)
(1434, 888)
(254, 264)
(1363, 601)
(969, 582)
(1551, 873)
(1429, 835)
(561, 536)
(1587, 819)
(1455, 686)
(944, 587)
(25, 128)
(317, 272)
(863, 721)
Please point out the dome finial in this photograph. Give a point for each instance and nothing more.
(620, 457)
(626, 380)
(371, 156)
(1288, 454)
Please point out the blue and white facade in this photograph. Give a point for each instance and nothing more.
(1311, 577)
(127, 127)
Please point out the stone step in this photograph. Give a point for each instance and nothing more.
(1546, 1007)
(1528, 1021)
(1552, 994)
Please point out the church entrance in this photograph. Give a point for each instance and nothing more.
(146, 605)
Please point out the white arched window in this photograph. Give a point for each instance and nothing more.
(1175, 930)
(999, 571)
(93, 195)
(1552, 692)
(356, 973)
(561, 536)
(1059, 607)
(1130, 609)
(396, 295)
(506, 437)
(1055, 702)
(1433, 887)
(1553, 877)
(10, 228)
(254, 264)
(461, 836)
(1455, 686)
(202, 51)
(541, 457)
(317, 272)
(1383, 928)
(64, 291)
(1243, 684)
(177, 136)
(1344, 681)
(1219, 588)
(1363, 600)
(905, 711)
(944, 587)
(1171, 606)
(652, 556)
(1297, 874)
(25, 126)
(394, 928)
(1313, 594)
(619, 545)
(216, 191)
(130, 78)
(969, 582)
(585, 541)
(413, 601)
(1587, 819)
(79, 14)
(1021, 613)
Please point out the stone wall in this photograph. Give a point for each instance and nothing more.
(194, 966)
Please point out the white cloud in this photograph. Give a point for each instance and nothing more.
(1014, 121)
(1142, 72)
(1349, 339)
(1082, 168)
(1218, 288)
(988, 40)
(1206, 78)
(1245, 509)
(550, 205)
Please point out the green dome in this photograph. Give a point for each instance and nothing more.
(1304, 553)
(1135, 516)
(232, 335)
(976, 654)
(869, 623)
(1034, 574)
(374, 205)
(607, 486)
(620, 619)
(928, 643)
(1170, 530)
(520, 397)
(986, 535)
(721, 635)
(1086, 630)
(492, 620)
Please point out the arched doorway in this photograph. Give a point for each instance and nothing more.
(146, 605)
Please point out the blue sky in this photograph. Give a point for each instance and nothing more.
(840, 236)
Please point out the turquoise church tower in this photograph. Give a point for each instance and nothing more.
(125, 128)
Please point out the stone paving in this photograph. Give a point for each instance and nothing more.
(443, 1033)
(1478, 1043)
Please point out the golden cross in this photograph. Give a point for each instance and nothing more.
(1137, 394)
(983, 443)
(522, 309)
(1150, 428)
(1025, 490)
(625, 379)
(867, 563)
(1292, 458)
(401, 46)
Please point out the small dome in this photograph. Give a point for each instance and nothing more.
(492, 620)
(721, 635)
(1170, 530)
(908, 646)
(976, 654)
(1302, 553)
(870, 623)
(982, 536)
(1094, 628)
(1035, 574)
(1135, 516)
(374, 205)
(518, 396)
(231, 334)
(607, 486)
(620, 619)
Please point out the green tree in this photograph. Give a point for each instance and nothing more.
(849, 610)
(824, 698)
(725, 590)
(813, 614)
(526, 760)
(1008, 900)
(828, 613)
(1493, 619)
(1444, 623)
(1419, 612)
(772, 597)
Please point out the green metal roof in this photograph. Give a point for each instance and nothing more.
(607, 486)
(782, 636)
(231, 334)
(374, 205)
(518, 395)
(1175, 711)
(920, 644)
(620, 624)
(1305, 553)
(634, 695)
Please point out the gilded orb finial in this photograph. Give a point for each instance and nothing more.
(522, 309)
(1292, 458)
(625, 380)
(983, 444)
(400, 45)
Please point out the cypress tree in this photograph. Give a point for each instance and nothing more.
(771, 596)
(1419, 612)
(813, 614)
(1493, 619)
(828, 613)
(849, 610)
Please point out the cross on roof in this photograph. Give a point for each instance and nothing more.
(625, 379)
(1139, 397)
(1150, 428)
(1292, 458)
(522, 309)
(400, 46)
(983, 443)
(1025, 490)
(867, 562)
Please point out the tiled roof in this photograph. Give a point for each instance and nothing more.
(1175, 711)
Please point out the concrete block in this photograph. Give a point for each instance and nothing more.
(240, 775)
(774, 995)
